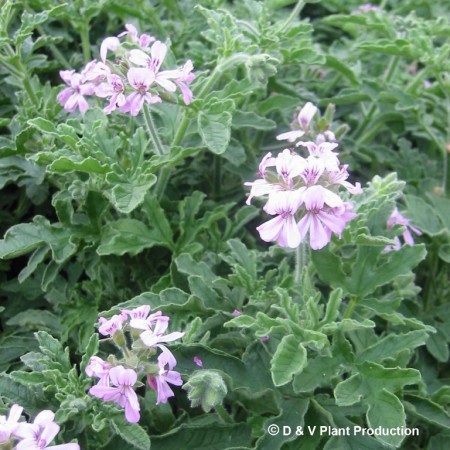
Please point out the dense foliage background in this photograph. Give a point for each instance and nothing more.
(94, 220)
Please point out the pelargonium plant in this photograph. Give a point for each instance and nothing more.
(139, 335)
(132, 78)
(20, 435)
(303, 191)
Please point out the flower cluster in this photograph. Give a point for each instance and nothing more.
(303, 191)
(134, 77)
(398, 219)
(118, 378)
(30, 436)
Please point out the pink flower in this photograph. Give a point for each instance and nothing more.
(236, 312)
(153, 337)
(144, 40)
(141, 312)
(283, 228)
(109, 326)
(323, 151)
(366, 8)
(99, 369)
(267, 161)
(198, 361)
(260, 188)
(325, 213)
(110, 43)
(114, 89)
(289, 165)
(40, 433)
(141, 80)
(121, 391)
(340, 177)
(398, 219)
(182, 81)
(95, 72)
(9, 425)
(312, 170)
(72, 97)
(160, 382)
(306, 114)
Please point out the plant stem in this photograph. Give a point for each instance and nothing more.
(446, 149)
(85, 43)
(295, 12)
(299, 262)
(29, 89)
(222, 412)
(350, 307)
(152, 131)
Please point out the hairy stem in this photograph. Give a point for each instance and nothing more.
(295, 12)
(152, 131)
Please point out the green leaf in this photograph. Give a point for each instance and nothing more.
(215, 130)
(128, 193)
(386, 411)
(25, 237)
(248, 119)
(88, 165)
(127, 236)
(423, 216)
(201, 436)
(292, 414)
(428, 410)
(52, 348)
(289, 359)
(347, 392)
(131, 433)
(44, 125)
(343, 68)
(390, 346)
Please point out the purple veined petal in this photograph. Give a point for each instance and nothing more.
(171, 336)
(152, 99)
(174, 377)
(306, 114)
(289, 235)
(140, 78)
(14, 413)
(186, 93)
(304, 225)
(131, 30)
(48, 433)
(127, 377)
(158, 52)
(27, 444)
(104, 90)
(83, 105)
(318, 237)
(132, 399)
(131, 414)
(141, 312)
(139, 324)
(26, 430)
(100, 391)
(277, 203)
(334, 223)
(133, 104)
(44, 417)
(267, 161)
(145, 40)
(139, 58)
(110, 43)
(165, 83)
(64, 95)
(331, 199)
(261, 187)
(115, 375)
(70, 446)
(166, 357)
(66, 75)
(407, 236)
(161, 325)
(314, 198)
(163, 390)
(71, 103)
(290, 136)
(269, 231)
